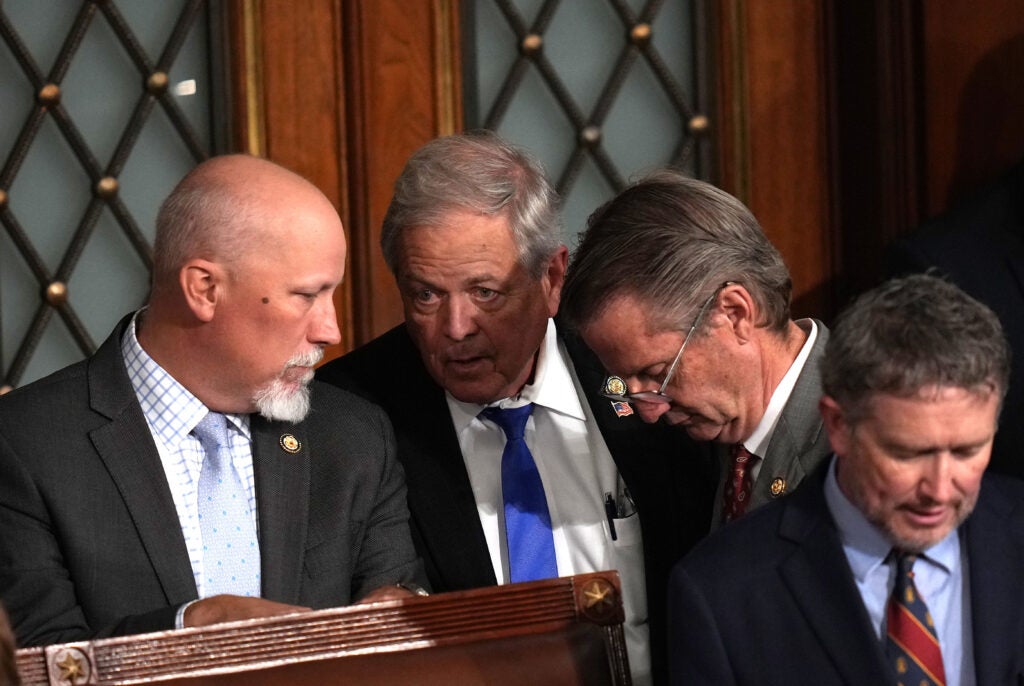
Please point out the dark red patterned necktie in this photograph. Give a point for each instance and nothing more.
(911, 641)
(738, 484)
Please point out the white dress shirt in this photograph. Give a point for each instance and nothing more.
(578, 473)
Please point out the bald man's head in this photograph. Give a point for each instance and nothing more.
(223, 210)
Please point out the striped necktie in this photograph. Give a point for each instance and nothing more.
(912, 644)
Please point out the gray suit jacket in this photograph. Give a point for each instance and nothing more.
(91, 545)
(799, 443)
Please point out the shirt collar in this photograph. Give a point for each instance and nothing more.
(757, 442)
(171, 410)
(552, 386)
(865, 545)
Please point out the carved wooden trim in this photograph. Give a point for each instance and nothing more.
(584, 609)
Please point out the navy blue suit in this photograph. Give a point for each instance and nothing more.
(770, 599)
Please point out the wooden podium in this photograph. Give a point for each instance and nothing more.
(559, 631)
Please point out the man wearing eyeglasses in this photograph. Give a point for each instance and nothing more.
(679, 293)
(472, 237)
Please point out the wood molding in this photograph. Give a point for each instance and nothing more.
(775, 151)
(403, 89)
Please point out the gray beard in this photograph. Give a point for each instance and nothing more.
(283, 401)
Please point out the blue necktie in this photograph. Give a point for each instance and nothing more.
(231, 553)
(531, 547)
(912, 642)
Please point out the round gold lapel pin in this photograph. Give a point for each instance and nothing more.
(778, 487)
(614, 385)
(290, 444)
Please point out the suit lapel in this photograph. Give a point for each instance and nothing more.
(282, 493)
(126, 448)
(822, 586)
(996, 563)
(799, 441)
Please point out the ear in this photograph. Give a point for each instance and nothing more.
(554, 277)
(836, 424)
(740, 310)
(201, 284)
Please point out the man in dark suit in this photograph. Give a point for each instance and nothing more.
(979, 245)
(109, 477)
(876, 571)
(679, 293)
(472, 238)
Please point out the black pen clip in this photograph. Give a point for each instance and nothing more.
(611, 511)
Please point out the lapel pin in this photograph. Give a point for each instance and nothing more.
(622, 408)
(778, 486)
(290, 444)
(614, 385)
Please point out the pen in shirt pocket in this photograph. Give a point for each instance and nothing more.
(611, 511)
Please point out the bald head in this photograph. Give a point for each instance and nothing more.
(225, 209)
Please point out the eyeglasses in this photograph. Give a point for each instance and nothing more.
(614, 383)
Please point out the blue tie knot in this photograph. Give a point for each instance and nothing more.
(212, 432)
(512, 420)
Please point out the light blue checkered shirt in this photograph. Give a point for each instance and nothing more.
(172, 412)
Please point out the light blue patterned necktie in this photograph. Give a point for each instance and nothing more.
(231, 553)
(531, 545)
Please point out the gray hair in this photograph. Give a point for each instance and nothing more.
(911, 334)
(670, 241)
(476, 172)
(200, 218)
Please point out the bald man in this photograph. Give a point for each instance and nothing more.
(191, 471)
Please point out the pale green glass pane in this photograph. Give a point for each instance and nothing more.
(535, 121)
(42, 26)
(191, 85)
(50, 194)
(642, 128)
(583, 44)
(109, 280)
(100, 90)
(56, 349)
(151, 23)
(588, 193)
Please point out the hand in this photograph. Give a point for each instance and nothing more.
(229, 608)
(388, 593)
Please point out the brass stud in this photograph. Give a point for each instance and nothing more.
(3, 198)
(49, 95)
(590, 135)
(5, 389)
(640, 34)
(698, 125)
(156, 84)
(56, 293)
(531, 45)
(106, 188)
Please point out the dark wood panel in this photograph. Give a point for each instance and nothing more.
(974, 95)
(774, 122)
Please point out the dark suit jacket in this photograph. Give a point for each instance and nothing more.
(771, 599)
(91, 544)
(799, 442)
(670, 478)
(979, 245)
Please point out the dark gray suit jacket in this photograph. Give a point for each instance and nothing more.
(799, 443)
(90, 543)
(671, 478)
(770, 599)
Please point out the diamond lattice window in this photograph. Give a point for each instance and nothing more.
(105, 105)
(599, 90)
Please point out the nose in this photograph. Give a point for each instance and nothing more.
(459, 318)
(325, 329)
(937, 479)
